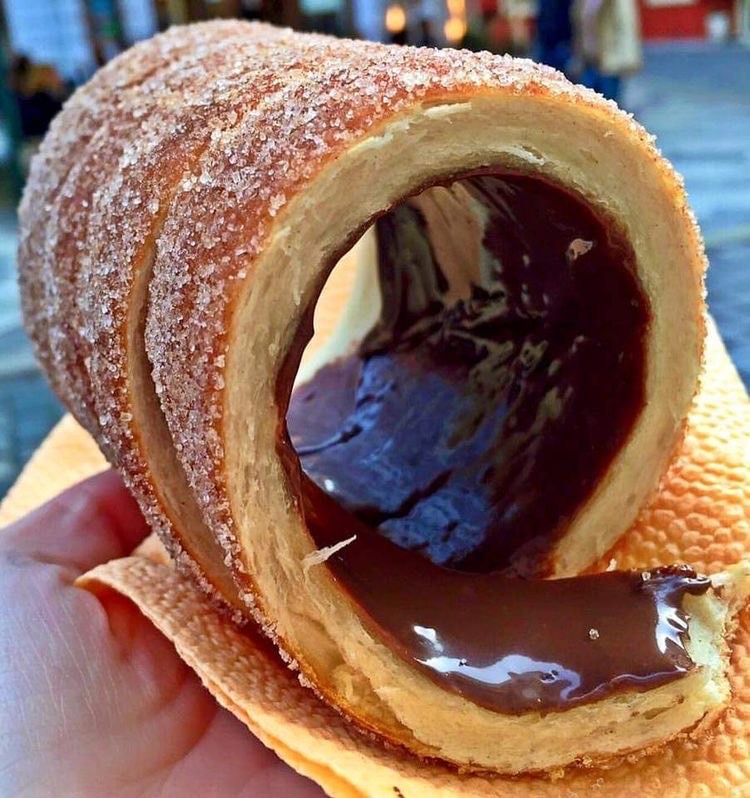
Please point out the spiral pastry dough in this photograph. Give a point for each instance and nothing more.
(505, 387)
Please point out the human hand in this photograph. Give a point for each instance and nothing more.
(93, 700)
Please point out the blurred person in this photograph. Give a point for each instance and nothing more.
(554, 34)
(427, 36)
(511, 30)
(608, 39)
(251, 9)
(39, 92)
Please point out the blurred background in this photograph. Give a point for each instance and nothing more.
(682, 67)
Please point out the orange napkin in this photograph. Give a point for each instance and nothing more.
(700, 515)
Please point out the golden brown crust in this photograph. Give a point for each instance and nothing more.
(177, 114)
(157, 211)
(116, 166)
(53, 212)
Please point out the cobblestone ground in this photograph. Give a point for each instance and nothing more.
(695, 98)
(28, 409)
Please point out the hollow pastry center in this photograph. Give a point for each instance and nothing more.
(459, 438)
(503, 376)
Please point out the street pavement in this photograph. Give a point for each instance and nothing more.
(694, 97)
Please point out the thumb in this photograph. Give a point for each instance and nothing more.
(92, 522)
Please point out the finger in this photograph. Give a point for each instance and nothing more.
(92, 522)
(248, 767)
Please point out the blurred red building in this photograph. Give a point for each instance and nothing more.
(690, 19)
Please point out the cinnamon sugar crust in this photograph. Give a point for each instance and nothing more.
(178, 225)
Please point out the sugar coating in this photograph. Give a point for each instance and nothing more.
(177, 114)
(179, 156)
(39, 213)
(95, 221)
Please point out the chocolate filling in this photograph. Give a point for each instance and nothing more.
(467, 429)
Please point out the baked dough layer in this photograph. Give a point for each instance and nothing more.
(193, 223)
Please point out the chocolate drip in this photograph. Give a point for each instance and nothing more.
(511, 644)
(459, 441)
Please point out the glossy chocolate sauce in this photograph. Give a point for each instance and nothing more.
(460, 439)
